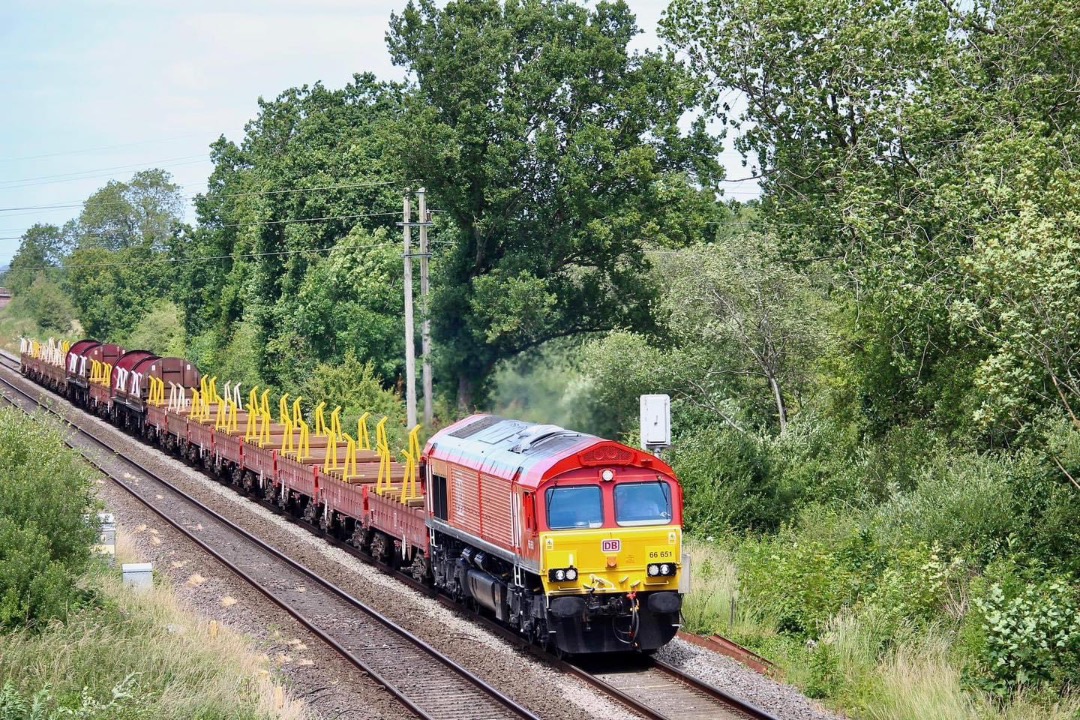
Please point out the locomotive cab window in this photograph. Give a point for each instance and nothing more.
(574, 507)
(646, 503)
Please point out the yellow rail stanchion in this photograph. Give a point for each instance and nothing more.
(297, 416)
(335, 421)
(330, 463)
(283, 408)
(349, 470)
(409, 489)
(287, 438)
(304, 450)
(320, 419)
(383, 484)
(264, 426)
(363, 439)
(253, 415)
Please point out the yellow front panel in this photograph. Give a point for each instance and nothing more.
(610, 560)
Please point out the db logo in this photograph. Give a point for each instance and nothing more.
(610, 546)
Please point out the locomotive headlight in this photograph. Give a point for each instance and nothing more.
(559, 575)
(665, 569)
(654, 570)
(662, 570)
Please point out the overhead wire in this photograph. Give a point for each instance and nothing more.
(75, 177)
(209, 258)
(343, 186)
(85, 151)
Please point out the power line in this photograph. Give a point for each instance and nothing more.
(147, 166)
(208, 258)
(61, 206)
(98, 149)
(94, 170)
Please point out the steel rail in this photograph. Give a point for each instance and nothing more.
(484, 687)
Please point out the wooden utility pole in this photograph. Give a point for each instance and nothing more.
(425, 324)
(410, 350)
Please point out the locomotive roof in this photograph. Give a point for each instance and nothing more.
(503, 447)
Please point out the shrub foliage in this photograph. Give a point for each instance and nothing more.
(45, 536)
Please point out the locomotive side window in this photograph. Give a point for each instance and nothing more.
(643, 503)
(439, 504)
(574, 507)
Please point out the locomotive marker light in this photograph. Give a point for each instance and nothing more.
(655, 423)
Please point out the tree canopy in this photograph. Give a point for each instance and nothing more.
(552, 151)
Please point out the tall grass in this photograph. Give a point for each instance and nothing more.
(713, 603)
(142, 644)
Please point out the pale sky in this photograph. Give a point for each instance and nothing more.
(96, 90)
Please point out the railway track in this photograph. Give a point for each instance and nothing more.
(648, 687)
(430, 684)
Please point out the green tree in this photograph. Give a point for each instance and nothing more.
(552, 152)
(41, 249)
(48, 305)
(144, 211)
(882, 130)
(313, 166)
(740, 340)
(122, 263)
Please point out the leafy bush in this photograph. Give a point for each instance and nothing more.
(124, 702)
(729, 482)
(917, 586)
(47, 305)
(1026, 637)
(160, 331)
(357, 389)
(45, 538)
(797, 584)
(234, 359)
(961, 501)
